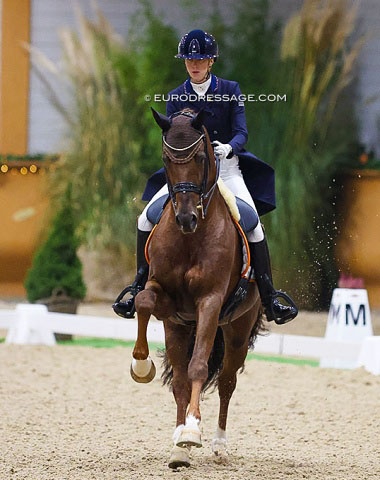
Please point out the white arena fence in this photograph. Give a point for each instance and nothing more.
(32, 324)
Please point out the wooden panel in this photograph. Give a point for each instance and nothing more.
(24, 202)
(14, 82)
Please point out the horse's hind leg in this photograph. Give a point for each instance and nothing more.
(236, 337)
(226, 387)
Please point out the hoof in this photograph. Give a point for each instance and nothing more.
(143, 371)
(180, 457)
(219, 443)
(219, 447)
(191, 434)
(190, 438)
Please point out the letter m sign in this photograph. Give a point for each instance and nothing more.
(355, 318)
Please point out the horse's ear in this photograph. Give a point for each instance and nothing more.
(197, 121)
(162, 120)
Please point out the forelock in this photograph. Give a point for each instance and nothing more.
(181, 133)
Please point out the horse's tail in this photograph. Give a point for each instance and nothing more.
(215, 362)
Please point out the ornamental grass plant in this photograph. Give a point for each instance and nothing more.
(317, 64)
(310, 62)
(111, 146)
(155, 73)
(101, 155)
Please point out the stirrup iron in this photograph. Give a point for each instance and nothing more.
(293, 312)
(121, 308)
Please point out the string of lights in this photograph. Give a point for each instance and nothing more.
(18, 165)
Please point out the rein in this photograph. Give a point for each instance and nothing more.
(190, 187)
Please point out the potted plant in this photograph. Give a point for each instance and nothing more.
(55, 277)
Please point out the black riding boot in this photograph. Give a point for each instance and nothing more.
(127, 308)
(274, 310)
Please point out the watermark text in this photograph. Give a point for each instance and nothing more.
(216, 97)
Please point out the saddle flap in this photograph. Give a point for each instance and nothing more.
(155, 210)
(248, 216)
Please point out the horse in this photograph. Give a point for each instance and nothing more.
(195, 265)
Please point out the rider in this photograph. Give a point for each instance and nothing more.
(226, 124)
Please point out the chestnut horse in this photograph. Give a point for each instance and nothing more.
(195, 256)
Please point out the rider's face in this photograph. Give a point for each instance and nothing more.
(198, 69)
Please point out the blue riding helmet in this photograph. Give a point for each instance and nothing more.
(197, 45)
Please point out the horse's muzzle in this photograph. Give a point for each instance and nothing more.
(187, 221)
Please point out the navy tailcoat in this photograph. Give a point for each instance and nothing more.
(225, 121)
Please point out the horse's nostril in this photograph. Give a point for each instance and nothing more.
(187, 221)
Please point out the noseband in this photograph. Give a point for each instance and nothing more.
(190, 187)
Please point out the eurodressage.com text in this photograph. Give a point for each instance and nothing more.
(191, 97)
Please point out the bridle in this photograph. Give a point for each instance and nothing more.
(189, 187)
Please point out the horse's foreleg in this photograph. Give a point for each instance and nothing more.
(191, 433)
(177, 342)
(207, 324)
(143, 369)
(179, 457)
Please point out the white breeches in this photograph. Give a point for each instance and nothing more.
(143, 223)
(232, 177)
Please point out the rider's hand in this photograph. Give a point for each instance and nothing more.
(223, 150)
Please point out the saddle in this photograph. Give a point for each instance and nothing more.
(248, 216)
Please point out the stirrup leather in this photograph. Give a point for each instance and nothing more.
(234, 300)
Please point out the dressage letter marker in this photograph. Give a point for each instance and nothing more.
(349, 320)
